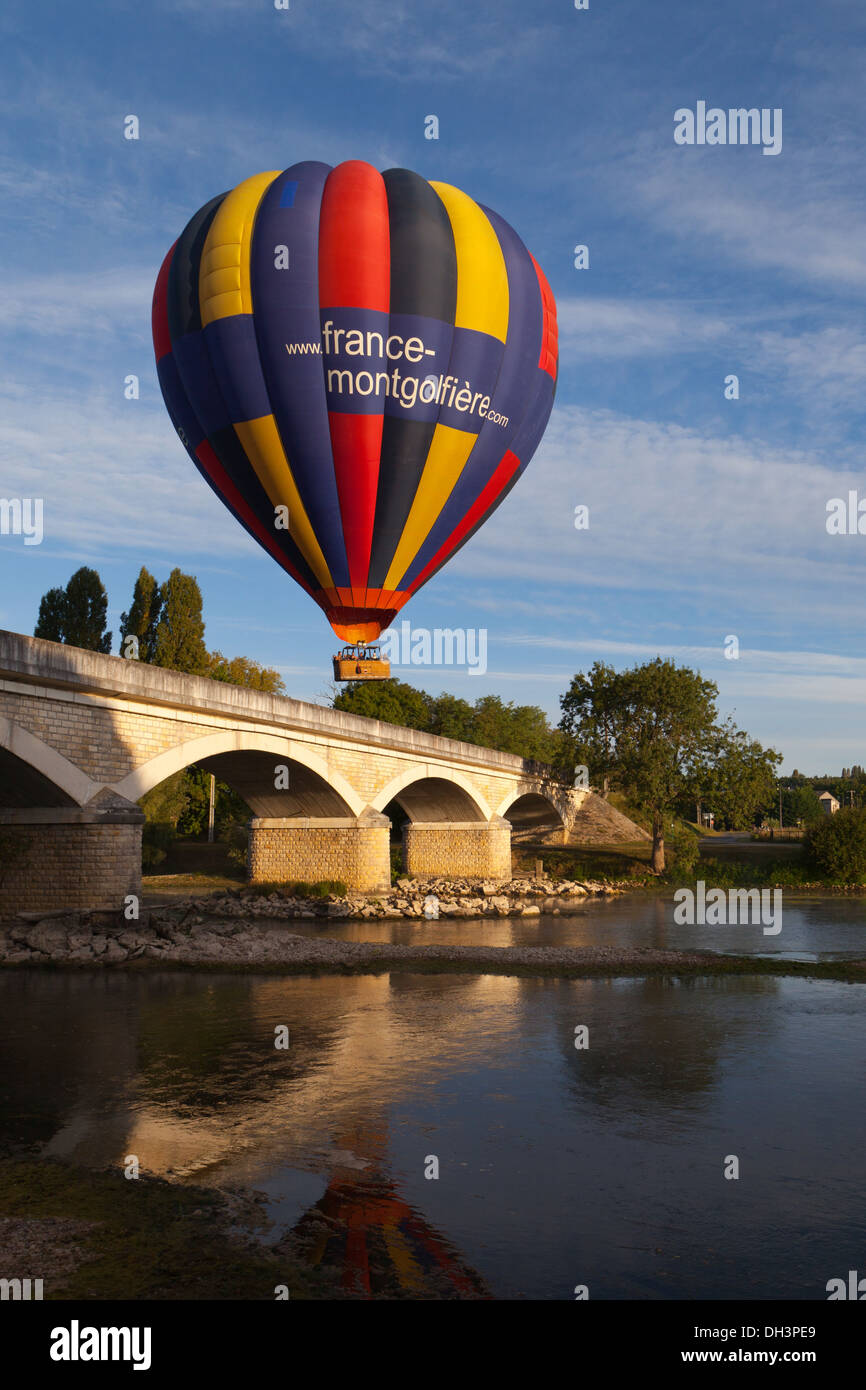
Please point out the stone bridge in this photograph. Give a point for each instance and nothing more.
(84, 736)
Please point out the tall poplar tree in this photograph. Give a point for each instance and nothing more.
(179, 642)
(143, 617)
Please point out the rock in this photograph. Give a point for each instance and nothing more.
(49, 938)
(500, 905)
(114, 952)
(133, 940)
(531, 910)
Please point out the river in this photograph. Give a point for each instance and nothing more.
(810, 929)
(602, 1166)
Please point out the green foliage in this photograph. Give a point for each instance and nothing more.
(143, 617)
(451, 717)
(76, 615)
(324, 888)
(490, 723)
(397, 870)
(790, 872)
(800, 803)
(168, 623)
(836, 846)
(162, 806)
(683, 843)
(392, 701)
(739, 778)
(653, 731)
(236, 836)
(520, 729)
(52, 614)
(241, 670)
(229, 807)
(179, 643)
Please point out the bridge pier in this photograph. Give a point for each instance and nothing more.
(55, 858)
(355, 850)
(467, 849)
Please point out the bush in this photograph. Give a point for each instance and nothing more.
(236, 836)
(157, 838)
(683, 845)
(836, 847)
(324, 888)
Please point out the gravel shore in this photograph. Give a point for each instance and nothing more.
(243, 930)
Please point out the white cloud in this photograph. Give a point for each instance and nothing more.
(804, 220)
(598, 327)
(671, 510)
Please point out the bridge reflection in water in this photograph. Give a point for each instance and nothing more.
(190, 1082)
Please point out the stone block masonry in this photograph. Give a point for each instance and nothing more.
(299, 850)
(47, 867)
(471, 850)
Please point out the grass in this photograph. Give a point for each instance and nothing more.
(746, 864)
(323, 888)
(156, 887)
(606, 862)
(155, 1239)
(169, 886)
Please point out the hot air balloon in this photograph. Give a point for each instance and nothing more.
(360, 365)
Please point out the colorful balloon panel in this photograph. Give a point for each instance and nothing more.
(372, 355)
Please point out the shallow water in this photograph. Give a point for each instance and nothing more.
(557, 1166)
(811, 929)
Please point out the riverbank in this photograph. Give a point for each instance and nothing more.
(99, 1236)
(239, 934)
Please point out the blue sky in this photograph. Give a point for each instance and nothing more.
(707, 516)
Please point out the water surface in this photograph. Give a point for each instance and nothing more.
(557, 1166)
(811, 929)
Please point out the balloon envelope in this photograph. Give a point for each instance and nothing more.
(361, 365)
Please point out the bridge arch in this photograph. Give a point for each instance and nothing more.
(530, 810)
(246, 761)
(434, 794)
(32, 773)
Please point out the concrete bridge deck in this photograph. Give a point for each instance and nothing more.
(84, 736)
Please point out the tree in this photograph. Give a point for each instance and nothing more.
(143, 617)
(392, 701)
(451, 717)
(163, 806)
(76, 615)
(740, 778)
(800, 803)
(179, 643)
(836, 845)
(242, 670)
(52, 613)
(650, 729)
(522, 729)
(229, 806)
